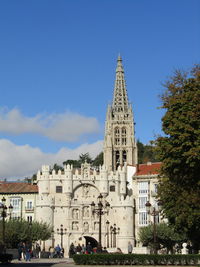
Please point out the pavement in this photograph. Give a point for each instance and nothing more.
(35, 262)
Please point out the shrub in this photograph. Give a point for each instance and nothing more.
(136, 259)
(5, 258)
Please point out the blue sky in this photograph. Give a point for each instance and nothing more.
(57, 72)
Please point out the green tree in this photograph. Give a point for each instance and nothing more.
(98, 160)
(75, 163)
(165, 236)
(56, 167)
(179, 151)
(21, 230)
(85, 158)
(147, 152)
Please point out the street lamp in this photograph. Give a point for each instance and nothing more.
(100, 209)
(107, 229)
(4, 213)
(61, 232)
(114, 230)
(153, 212)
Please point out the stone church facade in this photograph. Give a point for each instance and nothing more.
(65, 198)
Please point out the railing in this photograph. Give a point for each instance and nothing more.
(29, 209)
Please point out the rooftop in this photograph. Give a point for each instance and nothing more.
(148, 168)
(12, 188)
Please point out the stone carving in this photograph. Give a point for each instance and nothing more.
(86, 190)
(86, 212)
(75, 226)
(75, 214)
(184, 250)
(86, 227)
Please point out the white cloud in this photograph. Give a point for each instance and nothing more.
(21, 161)
(60, 127)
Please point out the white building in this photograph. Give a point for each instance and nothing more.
(65, 198)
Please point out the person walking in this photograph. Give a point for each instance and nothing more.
(20, 249)
(58, 251)
(28, 251)
(130, 248)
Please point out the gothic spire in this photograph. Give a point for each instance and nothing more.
(120, 98)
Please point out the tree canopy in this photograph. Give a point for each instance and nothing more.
(179, 151)
(21, 230)
(165, 236)
(147, 153)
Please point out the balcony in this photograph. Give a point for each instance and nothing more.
(29, 209)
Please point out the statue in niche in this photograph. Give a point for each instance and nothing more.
(85, 169)
(86, 212)
(75, 226)
(75, 214)
(86, 227)
(86, 190)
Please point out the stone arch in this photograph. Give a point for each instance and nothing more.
(85, 191)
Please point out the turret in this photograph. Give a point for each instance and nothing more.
(103, 186)
(122, 175)
(44, 180)
(67, 183)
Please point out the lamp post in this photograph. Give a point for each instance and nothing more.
(153, 212)
(107, 228)
(61, 232)
(4, 213)
(114, 230)
(100, 209)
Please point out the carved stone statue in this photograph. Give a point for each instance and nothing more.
(86, 227)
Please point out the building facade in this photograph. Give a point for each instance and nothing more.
(22, 196)
(65, 197)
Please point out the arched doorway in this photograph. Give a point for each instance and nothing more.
(93, 241)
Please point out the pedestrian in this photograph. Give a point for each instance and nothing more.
(71, 250)
(58, 251)
(20, 249)
(83, 249)
(52, 251)
(78, 249)
(37, 250)
(89, 248)
(28, 251)
(130, 248)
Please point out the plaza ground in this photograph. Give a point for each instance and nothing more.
(63, 262)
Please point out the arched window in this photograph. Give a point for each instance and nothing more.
(124, 156)
(117, 159)
(117, 136)
(123, 136)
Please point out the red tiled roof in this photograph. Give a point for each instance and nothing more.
(8, 188)
(148, 168)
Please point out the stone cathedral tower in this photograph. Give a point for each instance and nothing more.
(119, 142)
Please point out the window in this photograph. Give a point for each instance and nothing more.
(123, 136)
(112, 188)
(117, 136)
(117, 158)
(143, 218)
(29, 205)
(58, 189)
(16, 203)
(142, 202)
(156, 188)
(124, 156)
(143, 187)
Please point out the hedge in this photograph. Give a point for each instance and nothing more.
(136, 259)
(5, 258)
